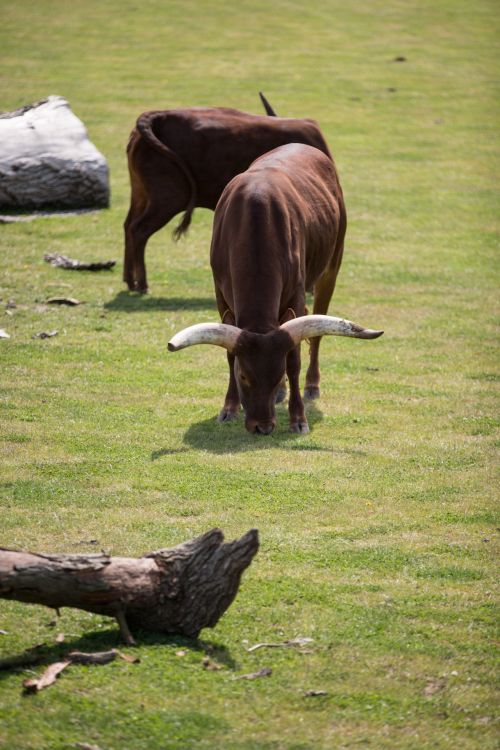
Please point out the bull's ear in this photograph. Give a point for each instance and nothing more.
(228, 318)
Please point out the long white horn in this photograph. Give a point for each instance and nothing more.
(309, 326)
(220, 334)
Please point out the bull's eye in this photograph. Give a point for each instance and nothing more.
(243, 379)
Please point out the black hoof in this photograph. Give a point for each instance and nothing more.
(227, 416)
(311, 392)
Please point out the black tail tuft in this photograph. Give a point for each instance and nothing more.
(180, 230)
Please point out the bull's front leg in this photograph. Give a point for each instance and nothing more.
(232, 404)
(298, 421)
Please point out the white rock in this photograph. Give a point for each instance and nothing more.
(47, 160)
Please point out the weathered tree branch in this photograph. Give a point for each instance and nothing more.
(179, 590)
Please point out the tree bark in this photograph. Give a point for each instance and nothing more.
(179, 590)
(47, 160)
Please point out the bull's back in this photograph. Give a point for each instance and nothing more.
(307, 182)
(216, 143)
(284, 213)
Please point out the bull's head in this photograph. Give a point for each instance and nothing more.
(260, 359)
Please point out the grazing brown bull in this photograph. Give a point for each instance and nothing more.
(182, 158)
(278, 231)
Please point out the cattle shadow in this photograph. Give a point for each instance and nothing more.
(104, 640)
(209, 435)
(133, 302)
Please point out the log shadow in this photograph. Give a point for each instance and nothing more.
(14, 215)
(134, 302)
(232, 437)
(96, 641)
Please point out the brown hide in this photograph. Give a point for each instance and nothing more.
(278, 231)
(182, 158)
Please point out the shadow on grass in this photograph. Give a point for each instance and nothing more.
(155, 455)
(232, 437)
(134, 302)
(45, 654)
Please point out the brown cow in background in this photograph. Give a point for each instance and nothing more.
(182, 158)
(278, 232)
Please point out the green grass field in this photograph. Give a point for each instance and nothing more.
(379, 528)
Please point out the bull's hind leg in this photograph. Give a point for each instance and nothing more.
(129, 256)
(154, 217)
(323, 291)
(159, 192)
(138, 202)
(137, 236)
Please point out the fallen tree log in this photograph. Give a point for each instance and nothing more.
(177, 591)
(47, 160)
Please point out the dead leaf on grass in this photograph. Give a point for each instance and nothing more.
(48, 677)
(129, 658)
(86, 746)
(45, 334)
(434, 686)
(264, 672)
(99, 657)
(299, 641)
(314, 693)
(210, 664)
(62, 261)
(4, 334)
(52, 672)
(60, 638)
(70, 301)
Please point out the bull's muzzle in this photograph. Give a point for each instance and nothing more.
(260, 428)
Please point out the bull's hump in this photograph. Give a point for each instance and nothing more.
(291, 156)
(262, 191)
(224, 117)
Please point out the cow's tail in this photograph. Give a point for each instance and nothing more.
(144, 125)
(269, 110)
